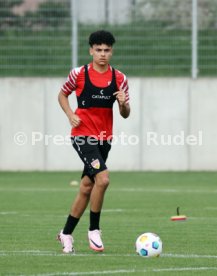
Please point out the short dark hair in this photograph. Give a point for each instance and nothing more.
(101, 37)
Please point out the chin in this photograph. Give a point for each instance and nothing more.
(103, 62)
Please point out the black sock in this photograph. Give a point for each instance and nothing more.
(94, 220)
(70, 225)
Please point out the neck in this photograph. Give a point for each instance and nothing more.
(100, 68)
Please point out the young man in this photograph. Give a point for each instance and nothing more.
(97, 86)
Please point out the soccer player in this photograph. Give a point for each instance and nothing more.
(97, 86)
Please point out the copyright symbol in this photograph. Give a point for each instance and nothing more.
(20, 138)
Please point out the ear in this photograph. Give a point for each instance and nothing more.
(91, 51)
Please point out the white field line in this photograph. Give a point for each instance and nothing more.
(23, 214)
(125, 271)
(211, 208)
(52, 253)
(120, 271)
(33, 190)
(184, 269)
(162, 190)
(117, 210)
(130, 190)
(5, 213)
(193, 256)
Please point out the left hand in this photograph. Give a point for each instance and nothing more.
(120, 96)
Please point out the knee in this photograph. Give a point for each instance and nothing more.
(86, 189)
(103, 182)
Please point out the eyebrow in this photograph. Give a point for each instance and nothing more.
(105, 49)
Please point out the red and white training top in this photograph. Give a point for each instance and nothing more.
(94, 92)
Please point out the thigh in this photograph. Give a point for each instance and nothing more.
(104, 148)
(91, 156)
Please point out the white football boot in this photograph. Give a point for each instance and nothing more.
(95, 241)
(67, 242)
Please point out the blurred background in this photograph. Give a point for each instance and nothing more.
(154, 38)
(167, 49)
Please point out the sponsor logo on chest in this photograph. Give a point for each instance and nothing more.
(101, 96)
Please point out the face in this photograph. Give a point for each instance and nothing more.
(101, 54)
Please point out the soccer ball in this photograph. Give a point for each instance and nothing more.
(149, 245)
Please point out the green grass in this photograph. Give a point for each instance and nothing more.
(34, 205)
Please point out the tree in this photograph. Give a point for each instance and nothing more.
(176, 13)
(7, 17)
(49, 14)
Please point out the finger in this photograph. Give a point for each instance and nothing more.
(75, 124)
(77, 119)
(116, 93)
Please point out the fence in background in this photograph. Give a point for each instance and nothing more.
(154, 38)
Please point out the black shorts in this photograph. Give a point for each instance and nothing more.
(93, 153)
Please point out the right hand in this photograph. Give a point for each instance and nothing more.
(74, 120)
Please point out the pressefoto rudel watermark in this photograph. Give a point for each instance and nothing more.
(180, 139)
(37, 137)
(151, 138)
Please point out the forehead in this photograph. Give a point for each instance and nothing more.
(101, 46)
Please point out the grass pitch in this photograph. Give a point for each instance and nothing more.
(34, 206)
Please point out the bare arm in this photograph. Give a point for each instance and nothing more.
(64, 103)
(124, 108)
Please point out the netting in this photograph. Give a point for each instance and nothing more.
(154, 38)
